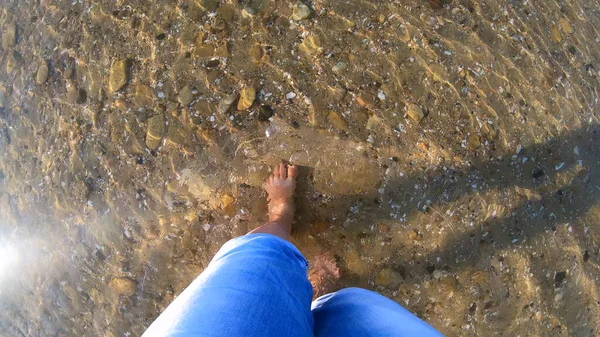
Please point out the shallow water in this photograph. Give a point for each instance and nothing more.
(449, 154)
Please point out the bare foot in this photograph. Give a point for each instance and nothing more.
(280, 187)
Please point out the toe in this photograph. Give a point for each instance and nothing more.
(292, 171)
(283, 171)
(276, 173)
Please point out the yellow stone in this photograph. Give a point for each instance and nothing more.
(311, 45)
(247, 98)
(415, 113)
(118, 75)
(566, 26)
(556, 34)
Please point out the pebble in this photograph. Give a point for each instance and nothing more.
(311, 45)
(185, 96)
(118, 75)
(42, 73)
(155, 132)
(226, 102)
(75, 95)
(566, 26)
(290, 95)
(415, 113)
(204, 51)
(300, 11)
(222, 51)
(123, 286)
(144, 95)
(247, 98)
(365, 100)
(474, 142)
(9, 36)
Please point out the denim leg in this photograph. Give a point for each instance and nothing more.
(256, 285)
(355, 312)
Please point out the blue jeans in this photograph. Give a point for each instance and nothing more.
(257, 285)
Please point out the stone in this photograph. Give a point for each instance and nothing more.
(300, 11)
(144, 95)
(227, 12)
(228, 204)
(123, 286)
(212, 75)
(155, 132)
(556, 34)
(222, 51)
(336, 119)
(365, 100)
(118, 75)
(566, 26)
(474, 142)
(204, 51)
(9, 36)
(247, 98)
(226, 102)
(42, 73)
(256, 53)
(415, 113)
(311, 45)
(186, 96)
(75, 95)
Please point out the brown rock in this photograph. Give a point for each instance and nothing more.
(204, 51)
(42, 73)
(118, 75)
(415, 113)
(144, 95)
(155, 132)
(365, 100)
(75, 95)
(228, 204)
(222, 51)
(247, 98)
(474, 142)
(186, 96)
(227, 12)
(123, 286)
